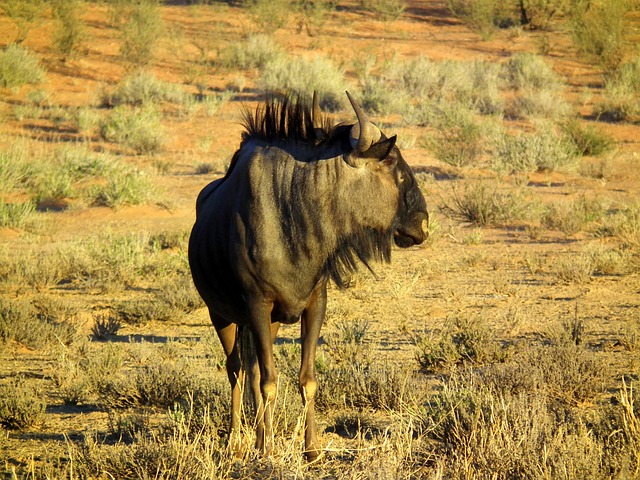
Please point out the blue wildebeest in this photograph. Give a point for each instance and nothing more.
(302, 202)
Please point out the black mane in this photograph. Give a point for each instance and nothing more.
(286, 121)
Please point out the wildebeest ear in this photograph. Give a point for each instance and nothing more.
(377, 152)
(381, 150)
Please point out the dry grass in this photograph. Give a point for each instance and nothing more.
(457, 361)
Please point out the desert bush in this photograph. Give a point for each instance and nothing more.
(621, 95)
(21, 405)
(105, 326)
(18, 67)
(624, 224)
(299, 76)
(527, 70)
(483, 205)
(311, 14)
(178, 293)
(213, 102)
(610, 261)
(137, 128)
(13, 166)
(577, 267)
(37, 324)
(70, 380)
(16, 215)
(386, 10)
(269, 15)
(536, 87)
(161, 383)
(26, 14)
(600, 31)
(573, 216)
(587, 140)
(466, 340)
(499, 418)
(482, 16)
(141, 88)
(256, 51)
(538, 14)
(545, 150)
(140, 30)
(123, 188)
(460, 143)
(379, 97)
(140, 311)
(69, 29)
(177, 453)
(542, 103)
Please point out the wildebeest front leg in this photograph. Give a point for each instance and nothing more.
(264, 333)
(312, 319)
(228, 338)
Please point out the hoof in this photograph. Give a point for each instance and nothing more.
(312, 455)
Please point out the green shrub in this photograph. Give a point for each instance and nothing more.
(600, 30)
(459, 144)
(299, 76)
(386, 10)
(624, 224)
(69, 29)
(137, 128)
(538, 14)
(256, 51)
(481, 16)
(21, 405)
(621, 95)
(123, 188)
(574, 216)
(16, 215)
(269, 15)
(141, 88)
(37, 324)
(481, 204)
(18, 67)
(140, 31)
(466, 340)
(587, 140)
(544, 150)
(527, 70)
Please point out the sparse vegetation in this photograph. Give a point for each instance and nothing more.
(18, 67)
(140, 26)
(141, 88)
(483, 204)
(504, 347)
(69, 30)
(600, 30)
(545, 150)
(20, 405)
(385, 9)
(138, 128)
(621, 94)
(299, 76)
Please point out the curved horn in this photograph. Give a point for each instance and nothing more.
(316, 114)
(364, 133)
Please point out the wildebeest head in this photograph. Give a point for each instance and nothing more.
(371, 145)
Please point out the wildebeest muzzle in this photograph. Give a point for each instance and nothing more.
(413, 232)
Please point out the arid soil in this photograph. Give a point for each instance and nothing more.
(505, 275)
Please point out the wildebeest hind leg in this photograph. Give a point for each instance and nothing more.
(228, 337)
(264, 336)
(311, 322)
